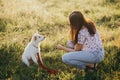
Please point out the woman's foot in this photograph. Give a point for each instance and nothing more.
(91, 67)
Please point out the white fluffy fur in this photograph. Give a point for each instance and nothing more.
(32, 49)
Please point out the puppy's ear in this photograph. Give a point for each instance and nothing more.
(35, 38)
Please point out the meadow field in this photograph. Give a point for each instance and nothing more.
(20, 19)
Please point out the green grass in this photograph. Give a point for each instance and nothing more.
(20, 19)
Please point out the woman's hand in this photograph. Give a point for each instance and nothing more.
(60, 47)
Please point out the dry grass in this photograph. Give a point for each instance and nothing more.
(20, 19)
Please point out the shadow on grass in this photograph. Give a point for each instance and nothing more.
(12, 67)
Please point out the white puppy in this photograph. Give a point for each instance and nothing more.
(32, 49)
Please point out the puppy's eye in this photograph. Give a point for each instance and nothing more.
(39, 37)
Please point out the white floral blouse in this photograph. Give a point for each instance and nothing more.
(90, 43)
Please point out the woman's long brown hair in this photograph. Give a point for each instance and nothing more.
(77, 21)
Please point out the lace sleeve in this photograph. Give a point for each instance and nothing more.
(70, 44)
(81, 37)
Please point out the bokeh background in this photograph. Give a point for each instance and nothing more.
(20, 19)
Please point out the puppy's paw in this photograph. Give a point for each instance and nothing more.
(36, 63)
(28, 65)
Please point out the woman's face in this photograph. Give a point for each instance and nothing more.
(73, 27)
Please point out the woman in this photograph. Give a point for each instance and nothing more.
(85, 47)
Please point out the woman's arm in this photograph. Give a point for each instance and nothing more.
(77, 47)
